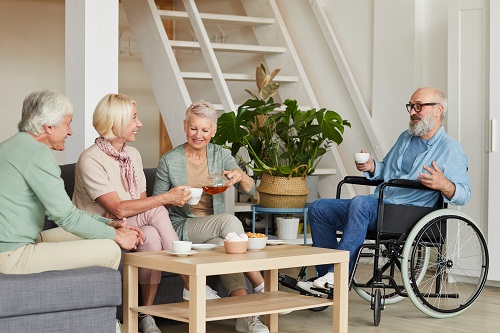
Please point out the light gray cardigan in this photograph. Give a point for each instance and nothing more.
(172, 172)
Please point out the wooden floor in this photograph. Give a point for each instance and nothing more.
(482, 316)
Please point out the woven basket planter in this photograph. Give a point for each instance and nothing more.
(282, 192)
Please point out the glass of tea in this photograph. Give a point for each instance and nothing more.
(216, 183)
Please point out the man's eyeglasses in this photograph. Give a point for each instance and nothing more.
(418, 106)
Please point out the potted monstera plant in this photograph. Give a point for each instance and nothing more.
(284, 144)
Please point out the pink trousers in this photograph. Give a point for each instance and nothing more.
(158, 235)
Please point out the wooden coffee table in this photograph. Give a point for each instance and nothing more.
(198, 311)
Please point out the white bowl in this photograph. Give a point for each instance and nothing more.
(256, 243)
(361, 157)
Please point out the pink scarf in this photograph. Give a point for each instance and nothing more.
(127, 171)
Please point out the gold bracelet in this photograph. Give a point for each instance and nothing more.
(154, 197)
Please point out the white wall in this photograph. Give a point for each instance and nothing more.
(31, 55)
(32, 58)
(392, 46)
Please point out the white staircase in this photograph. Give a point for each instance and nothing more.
(213, 56)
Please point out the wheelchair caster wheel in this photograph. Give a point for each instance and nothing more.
(377, 307)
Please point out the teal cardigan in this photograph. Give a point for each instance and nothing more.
(172, 172)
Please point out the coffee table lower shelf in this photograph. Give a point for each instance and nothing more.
(239, 306)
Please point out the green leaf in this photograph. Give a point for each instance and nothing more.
(269, 90)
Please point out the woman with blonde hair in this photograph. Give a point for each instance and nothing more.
(109, 181)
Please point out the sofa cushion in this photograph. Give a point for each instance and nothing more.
(52, 291)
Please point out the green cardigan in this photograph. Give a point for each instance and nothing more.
(172, 172)
(30, 188)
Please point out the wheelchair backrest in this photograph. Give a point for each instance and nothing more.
(398, 218)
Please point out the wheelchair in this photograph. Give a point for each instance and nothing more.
(436, 256)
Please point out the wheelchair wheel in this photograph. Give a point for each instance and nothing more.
(377, 306)
(458, 266)
(364, 273)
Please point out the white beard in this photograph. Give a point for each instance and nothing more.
(424, 126)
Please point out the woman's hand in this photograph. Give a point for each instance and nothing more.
(233, 176)
(239, 176)
(109, 215)
(117, 223)
(177, 196)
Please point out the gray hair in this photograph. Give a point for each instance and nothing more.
(44, 108)
(443, 100)
(440, 97)
(202, 109)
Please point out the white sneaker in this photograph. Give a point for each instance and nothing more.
(118, 326)
(259, 288)
(250, 325)
(307, 286)
(209, 294)
(148, 325)
(325, 281)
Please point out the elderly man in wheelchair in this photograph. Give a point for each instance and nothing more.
(425, 168)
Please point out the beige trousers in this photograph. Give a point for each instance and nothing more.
(212, 229)
(57, 249)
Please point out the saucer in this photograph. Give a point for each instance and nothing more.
(181, 254)
(275, 242)
(203, 247)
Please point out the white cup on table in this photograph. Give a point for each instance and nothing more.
(181, 246)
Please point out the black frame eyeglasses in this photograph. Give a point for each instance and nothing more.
(418, 106)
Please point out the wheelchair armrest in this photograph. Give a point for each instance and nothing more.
(359, 180)
(356, 180)
(414, 184)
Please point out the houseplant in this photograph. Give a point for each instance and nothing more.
(281, 141)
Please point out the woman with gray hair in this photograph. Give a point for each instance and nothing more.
(206, 222)
(31, 187)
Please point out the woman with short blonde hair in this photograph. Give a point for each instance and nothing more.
(110, 181)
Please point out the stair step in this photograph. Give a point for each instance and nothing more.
(235, 77)
(189, 45)
(217, 18)
(219, 107)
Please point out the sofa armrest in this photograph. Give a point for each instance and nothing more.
(53, 291)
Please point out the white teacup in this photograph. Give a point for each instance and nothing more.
(181, 246)
(195, 195)
(361, 157)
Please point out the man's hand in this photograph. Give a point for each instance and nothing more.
(369, 166)
(128, 239)
(435, 179)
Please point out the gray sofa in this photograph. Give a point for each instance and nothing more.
(170, 288)
(76, 300)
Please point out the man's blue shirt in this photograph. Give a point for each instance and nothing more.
(441, 148)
